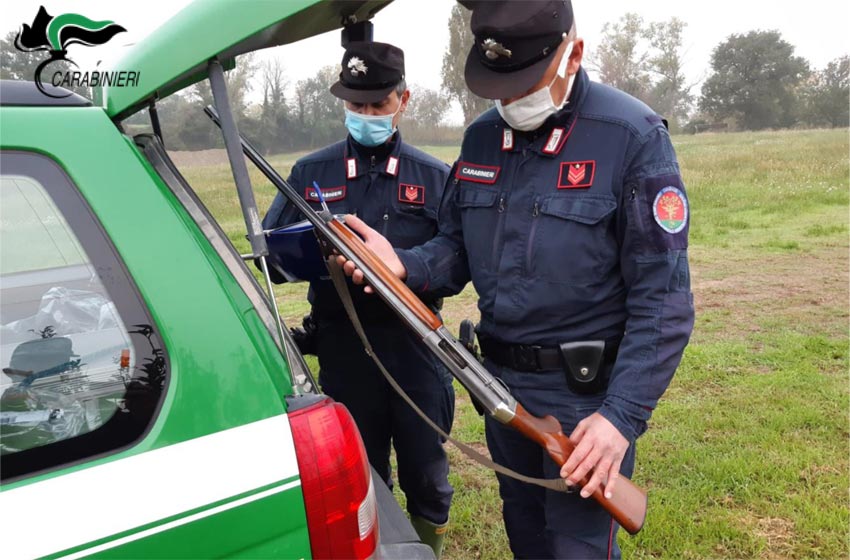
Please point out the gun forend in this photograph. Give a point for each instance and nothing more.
(371, 263)
(490, 393)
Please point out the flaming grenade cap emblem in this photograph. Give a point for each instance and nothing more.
(356, 66)
(493, 50)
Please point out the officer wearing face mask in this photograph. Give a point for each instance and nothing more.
(566, 209)
(396, 189)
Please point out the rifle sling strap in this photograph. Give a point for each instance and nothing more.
(338, 278)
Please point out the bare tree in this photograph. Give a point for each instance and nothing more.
(670, 95)
(427, 107)
(274, 85)
(621, 59)
(454, 61)
(826, 94)
(318, 112)
(238, 82)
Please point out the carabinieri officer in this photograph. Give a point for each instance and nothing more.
(567, 211)
(396, 189)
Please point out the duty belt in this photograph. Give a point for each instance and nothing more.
(533, 357)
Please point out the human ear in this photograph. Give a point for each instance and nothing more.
(576, 56)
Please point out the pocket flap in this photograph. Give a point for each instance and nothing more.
(414, 211)
(475, 197)
(583, 209)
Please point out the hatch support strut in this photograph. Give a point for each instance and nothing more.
(154, 115)
(259, 248)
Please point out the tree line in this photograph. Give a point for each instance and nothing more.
(755, 81)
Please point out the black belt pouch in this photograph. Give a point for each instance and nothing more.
(585, 367)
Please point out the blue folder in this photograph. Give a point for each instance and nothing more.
(294, 253)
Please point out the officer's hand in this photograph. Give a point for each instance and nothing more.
(599, 446)
(378, 244)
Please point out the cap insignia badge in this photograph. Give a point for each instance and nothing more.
(493, 50)
(357, 66)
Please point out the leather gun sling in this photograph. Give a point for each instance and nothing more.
(338, 278)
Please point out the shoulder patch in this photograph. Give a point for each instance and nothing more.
(486, 174)
(662, 213)
(670, 209)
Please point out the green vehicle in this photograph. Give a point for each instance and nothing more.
(152, 404)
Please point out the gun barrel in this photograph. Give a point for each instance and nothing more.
(471, 374)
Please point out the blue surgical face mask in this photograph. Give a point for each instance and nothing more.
(370, 130)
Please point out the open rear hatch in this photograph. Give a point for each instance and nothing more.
(185, 51)
(176, 55)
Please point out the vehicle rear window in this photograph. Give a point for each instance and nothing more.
(83, 368)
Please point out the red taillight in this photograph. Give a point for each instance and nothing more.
(336, 482)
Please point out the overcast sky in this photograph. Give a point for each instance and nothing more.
(818, 29)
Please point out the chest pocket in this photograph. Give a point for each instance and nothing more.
(407, 225)
(571, 241)
(480, 219)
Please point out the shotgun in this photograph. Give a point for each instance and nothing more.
(627, 506)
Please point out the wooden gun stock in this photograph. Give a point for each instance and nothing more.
(628, 503)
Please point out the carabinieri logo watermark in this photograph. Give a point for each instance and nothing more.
(55, 34)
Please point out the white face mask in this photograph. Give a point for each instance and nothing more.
(531, 111)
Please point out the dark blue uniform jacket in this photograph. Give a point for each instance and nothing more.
(575, 231)
(396, 189)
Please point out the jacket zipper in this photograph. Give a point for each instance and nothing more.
(635, 213)
(500, 224)
(501, 209)
(535, 212)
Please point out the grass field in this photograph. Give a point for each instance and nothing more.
(747, 453)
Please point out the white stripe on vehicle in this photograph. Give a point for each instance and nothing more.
(182, 521)
(94, 503)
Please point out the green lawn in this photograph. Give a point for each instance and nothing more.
(747, 453)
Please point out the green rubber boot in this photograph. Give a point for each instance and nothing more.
(430, 533)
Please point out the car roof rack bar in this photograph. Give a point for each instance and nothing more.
(259, 248)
